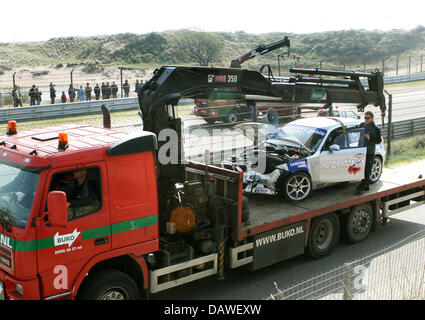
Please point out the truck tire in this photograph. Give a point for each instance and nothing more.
(324, 235)
(376, 171)
(296, 187)
(358, 223)
(109, 284)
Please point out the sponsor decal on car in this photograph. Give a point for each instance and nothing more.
(353, 169)
(299, 165)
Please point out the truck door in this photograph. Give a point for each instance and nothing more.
(62, 252)
(346, 164)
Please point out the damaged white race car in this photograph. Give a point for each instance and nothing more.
(304, 155)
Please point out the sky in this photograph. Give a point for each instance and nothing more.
(23, 20)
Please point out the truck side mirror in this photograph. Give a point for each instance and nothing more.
(58, 209)
(334, 147)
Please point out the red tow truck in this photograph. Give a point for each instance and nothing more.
(153, 225)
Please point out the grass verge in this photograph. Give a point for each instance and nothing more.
(405, 151)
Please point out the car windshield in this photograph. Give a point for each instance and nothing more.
(310, 137)
(17, 190)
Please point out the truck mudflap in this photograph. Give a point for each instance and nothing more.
(168, 277)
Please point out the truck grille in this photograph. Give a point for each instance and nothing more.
(6, 258)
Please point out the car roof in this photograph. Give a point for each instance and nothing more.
(328, 123)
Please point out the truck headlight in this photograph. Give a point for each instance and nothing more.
(19, 289)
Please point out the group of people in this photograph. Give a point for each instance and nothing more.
(105, 91)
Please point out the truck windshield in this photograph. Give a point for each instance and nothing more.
(17, 190)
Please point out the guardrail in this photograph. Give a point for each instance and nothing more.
(404, 128)
(399, 79)
(72, 109)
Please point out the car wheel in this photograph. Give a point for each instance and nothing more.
(324, 235)
(376, 171)
(231, 118)
(297, 186)
(209, 120)
(359, 223)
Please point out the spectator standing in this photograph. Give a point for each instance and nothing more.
(137, 86)
(126, 88)
(38, 96)
(114, 89)
(52, 93)
(63, 97)
(88, 92)
(103, 88)
(81, 93)
(32, 93)
(107, 91)
(16, 94)
(97, 91)
(71, 93)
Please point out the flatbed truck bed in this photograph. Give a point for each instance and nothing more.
(268, 209)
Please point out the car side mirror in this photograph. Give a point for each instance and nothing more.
(334, 147)
(58, 209)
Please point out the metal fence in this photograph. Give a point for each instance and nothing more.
(401, 69)
(395, 273)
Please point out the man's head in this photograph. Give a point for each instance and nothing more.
(80, 175)
(368, 117)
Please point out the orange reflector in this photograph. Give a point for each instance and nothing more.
(63, 141)
(11, 128)
(183, 218)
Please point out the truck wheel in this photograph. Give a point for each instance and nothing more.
(297, 186)
(376, 171)
(359, 223)
(109, 284)
(324, 235)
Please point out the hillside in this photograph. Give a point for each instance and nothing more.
(353, 49)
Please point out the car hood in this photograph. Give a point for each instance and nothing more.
(262, 132)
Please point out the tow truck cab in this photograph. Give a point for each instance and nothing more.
(48, 247)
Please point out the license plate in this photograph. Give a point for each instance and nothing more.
(1, 291)
(204, 111)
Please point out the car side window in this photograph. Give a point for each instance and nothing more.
(335, 137)
(82, 188)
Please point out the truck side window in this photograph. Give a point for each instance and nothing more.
(82, 188)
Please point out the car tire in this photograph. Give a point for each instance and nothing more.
(231, 118)
(376, 171)
(324, 235)
(109, 284)
(296, 187)
(209, 120)
(358, 223)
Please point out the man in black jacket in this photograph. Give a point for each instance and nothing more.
(33, 95)
(97, 91)
(88, 92)
(52, 93)
(372, 137)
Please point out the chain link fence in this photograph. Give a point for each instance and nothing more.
(395, 273)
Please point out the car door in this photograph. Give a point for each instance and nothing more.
(347, 163)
